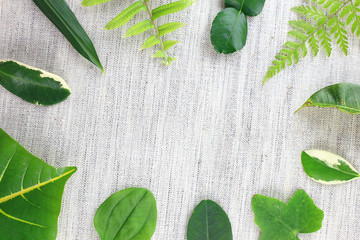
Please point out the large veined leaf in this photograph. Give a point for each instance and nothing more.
(30, 193)
(64, 19)
(281, 221)
(127, 215)
(248, 7)
(229, 31)
(32, 84)
(343, 96)
(327, 168)
(209, 222)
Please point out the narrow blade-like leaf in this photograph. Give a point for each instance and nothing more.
(171, 8)
(126, 15)
(87, 3)
(327, 168)
(30, 193)
(64, 19)
(343, 96)
(139, 28)
(126, 215)
(32, 84)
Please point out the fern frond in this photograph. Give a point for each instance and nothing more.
(169, 27)
(340, 34)
(126, 15)
(88, 3)
(151, 41)
(139, 28)
(171, 8)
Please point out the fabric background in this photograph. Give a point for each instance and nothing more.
(203, 128)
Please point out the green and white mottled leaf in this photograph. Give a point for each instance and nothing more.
(30, 193)
(32, 84)
(64, 19)
(126, 15)
(127, 215)
(248, 7)
(281, 221)
(209, 222)
(88, 3)
(139, 28)
(170, 27)
(343, 96)
(327, 168)
(171, 8)
(151, 41)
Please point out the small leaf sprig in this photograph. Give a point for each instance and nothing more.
(327, 21)
(153, 14)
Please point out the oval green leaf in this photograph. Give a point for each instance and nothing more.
(248, 7)
(209, 222)
(64, 19)
(127, 215)
(30, 193)
(229, 31)
(32, 84)
(327, 168)
(343, 96)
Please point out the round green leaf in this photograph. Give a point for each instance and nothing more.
(248, 7)
(127, 215)
(209, 222)
(229, 31)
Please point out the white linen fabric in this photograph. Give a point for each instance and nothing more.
(202, 128)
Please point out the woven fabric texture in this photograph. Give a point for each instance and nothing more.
(203, 128)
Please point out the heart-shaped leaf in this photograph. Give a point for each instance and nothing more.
(30, 193)
(229, 31)
(327, 168)
(343, 96)
(209, 222)
(282, 221)
(32, 84)
(127, 215)
(64, 19)
(248, 7)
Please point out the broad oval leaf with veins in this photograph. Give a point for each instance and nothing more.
(30, 193)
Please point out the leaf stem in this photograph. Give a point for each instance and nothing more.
(157, 34)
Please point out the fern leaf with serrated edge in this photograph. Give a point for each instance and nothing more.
(139, 28)
(303, 26)
(313, 45)
(325, 41)
(171, 8)
(340, 34)
(169, 27)
(88, 3)
(126, 15)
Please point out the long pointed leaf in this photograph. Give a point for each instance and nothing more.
(151, 41)
(171, 8)
(87, 3)
(169, 27)
(139, 28)
(64, 19)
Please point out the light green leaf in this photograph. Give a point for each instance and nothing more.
(159, 54)
(343, 96)
(126, 15)
(30, 193)
(169, 27)
(209, 222)
(248, 7)
(151, 41)
(64, 19)
(139, 28)
(127, 215)
(87, 3)
(229, 31)
(171, 8)
(168, 61)
(282, 221)
(327, 168)
(32, 84)
(169, 44)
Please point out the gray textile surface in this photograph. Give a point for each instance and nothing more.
(203, 128)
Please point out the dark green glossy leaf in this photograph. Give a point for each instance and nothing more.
(30, 193)
(248, 7)
(64, 19)
(229, 31)
(343, 96)
(327, 168)
(281, 221)
(209, 222)
(127, 215)
(32, 84)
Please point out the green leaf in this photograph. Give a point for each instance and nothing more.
(248, 7)
(87, 3)
(169, 27)
(229, 31)
(31, 84)
(151, 41)
(343, 96)
(282, 221)
(139, 28)
(127, 215)
(327, 168)
(64, 19)
(171, 8)
(30, 193)
(126, 15)
(209, 222)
